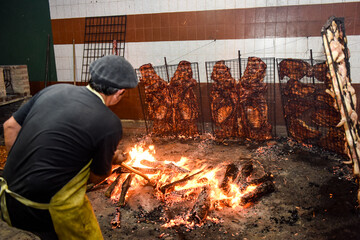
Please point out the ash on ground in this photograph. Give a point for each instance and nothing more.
(315, 195)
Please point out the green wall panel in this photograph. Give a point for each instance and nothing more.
(25, 27)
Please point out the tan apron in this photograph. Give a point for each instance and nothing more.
(70, 209)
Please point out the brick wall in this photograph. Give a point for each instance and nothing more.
(20, 80)
(2, 85)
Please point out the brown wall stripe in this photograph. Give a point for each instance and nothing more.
(285, 21)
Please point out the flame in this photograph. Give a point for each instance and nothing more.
(198, 179)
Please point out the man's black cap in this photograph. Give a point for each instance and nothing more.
(113, 71)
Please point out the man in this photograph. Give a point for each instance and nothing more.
(63, 137)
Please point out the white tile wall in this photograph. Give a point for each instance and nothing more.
(199, 51)
(92, 8)
(202, 51)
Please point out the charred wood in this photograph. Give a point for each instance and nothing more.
(116, 221)
(260, 191)
(170, 186)
(229, 177)
(124, 189)
(202, 206)
(112, 186)
(245, 171)
(267, 177)
(158, 164)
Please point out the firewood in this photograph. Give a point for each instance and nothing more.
(158, 164)
(183, 193)
(202, 206)
(116, 221)
(143, 170)
(112, 186)
(148, 170)
(176, 168)
(135, 171)
(230, 174)
(260, 191)
(245, 171)
(151, 163)
(92, 186)
(171, 185)
(265, 178)
(124, 189)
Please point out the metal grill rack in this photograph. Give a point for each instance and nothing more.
(309, 112)
(103, 36)
(237, 67)
(166, 73)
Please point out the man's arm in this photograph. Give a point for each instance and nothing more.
(11, 131)
(95, 179)
(118, 158)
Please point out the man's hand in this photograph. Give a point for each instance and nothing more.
(119, 157)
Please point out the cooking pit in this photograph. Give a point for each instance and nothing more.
(312, 194)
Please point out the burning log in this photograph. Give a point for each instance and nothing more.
(202, 206)
(124, 189)
(142, 170)
(230, 175)
(148, 170)
(157, 164)
(116, 221)
(112, 186)
(260, 191)
(183, 193)
(169, 186)
(267, 177)
(245, 170)
(135, 171)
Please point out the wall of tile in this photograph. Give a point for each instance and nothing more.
(60, 9)
(142, 49)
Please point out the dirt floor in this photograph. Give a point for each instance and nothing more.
(314, 197)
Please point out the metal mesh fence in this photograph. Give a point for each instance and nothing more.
(103, 36)
(242, 98)
(171, 99)
(309, 112)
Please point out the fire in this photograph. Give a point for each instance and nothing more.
(178, 181)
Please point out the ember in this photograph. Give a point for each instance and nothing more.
(177, 184)
(3, 156)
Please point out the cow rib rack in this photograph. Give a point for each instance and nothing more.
(171, 107)
(310, 113)
(244, 108)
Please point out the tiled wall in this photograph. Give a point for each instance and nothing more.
(200, 31)
(203, 30)
(61, 9)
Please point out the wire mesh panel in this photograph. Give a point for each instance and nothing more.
(242, 98)
(309, 112)
(171, 99)
(103, 36)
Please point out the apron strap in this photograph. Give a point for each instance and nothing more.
(4, 189)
